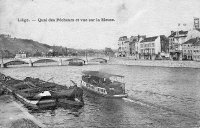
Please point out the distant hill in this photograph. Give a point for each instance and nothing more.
(11, 46)
(14, 45)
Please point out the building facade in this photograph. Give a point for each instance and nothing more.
(122, 46)
(127, 48)
(196, 51)
(135, 45)
(191, 49)
(149, 47)
(132, 47)
(176, 39)
(187, 49)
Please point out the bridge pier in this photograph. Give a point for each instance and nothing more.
(60, 62)
(3, 65)
(30, 63)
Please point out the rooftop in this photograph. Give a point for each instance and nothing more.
(149, 39)
(193, 41)
(100, 74)
(179, 33)
(123, 38)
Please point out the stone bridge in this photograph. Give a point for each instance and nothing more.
(60, 60)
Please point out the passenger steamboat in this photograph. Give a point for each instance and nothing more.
(103, 84)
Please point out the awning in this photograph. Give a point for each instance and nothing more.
(100, 74)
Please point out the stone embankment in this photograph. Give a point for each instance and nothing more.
(159, 63)
(14, 115)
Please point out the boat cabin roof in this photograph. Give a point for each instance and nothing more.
(100, 74)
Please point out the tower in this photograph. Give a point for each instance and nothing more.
(196, 23)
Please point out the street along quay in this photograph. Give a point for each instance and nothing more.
(14, 115)
(157, 63)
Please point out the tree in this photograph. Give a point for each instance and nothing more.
(164, 44)
(2, 54)
(108, 51)
(6, 54)
(38, 54)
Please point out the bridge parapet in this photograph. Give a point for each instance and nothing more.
(60, 60)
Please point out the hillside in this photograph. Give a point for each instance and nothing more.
(11, 46)
(14, 45)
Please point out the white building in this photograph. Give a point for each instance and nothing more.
(150, 47)
(20, 55)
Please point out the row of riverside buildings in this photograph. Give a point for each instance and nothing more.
(179, 45)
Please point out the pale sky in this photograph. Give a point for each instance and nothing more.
(132, 17)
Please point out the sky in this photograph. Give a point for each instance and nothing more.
(132, 17)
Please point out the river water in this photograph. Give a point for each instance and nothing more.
(158, 97)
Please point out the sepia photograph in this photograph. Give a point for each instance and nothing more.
(99, 64)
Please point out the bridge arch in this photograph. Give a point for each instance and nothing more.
(44, 60)
(15, 62)
(75, 59)
(99, 60)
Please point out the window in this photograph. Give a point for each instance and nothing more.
(153, 50)
(152, 44)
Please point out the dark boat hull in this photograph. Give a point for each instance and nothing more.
(71, 98)
(37, 103)
(66, 103)
(71, 63)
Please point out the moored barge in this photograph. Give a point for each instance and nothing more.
(38, 94)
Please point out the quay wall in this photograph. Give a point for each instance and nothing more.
(160, 63)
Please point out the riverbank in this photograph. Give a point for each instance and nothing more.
(13, 115)
(159, 63)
